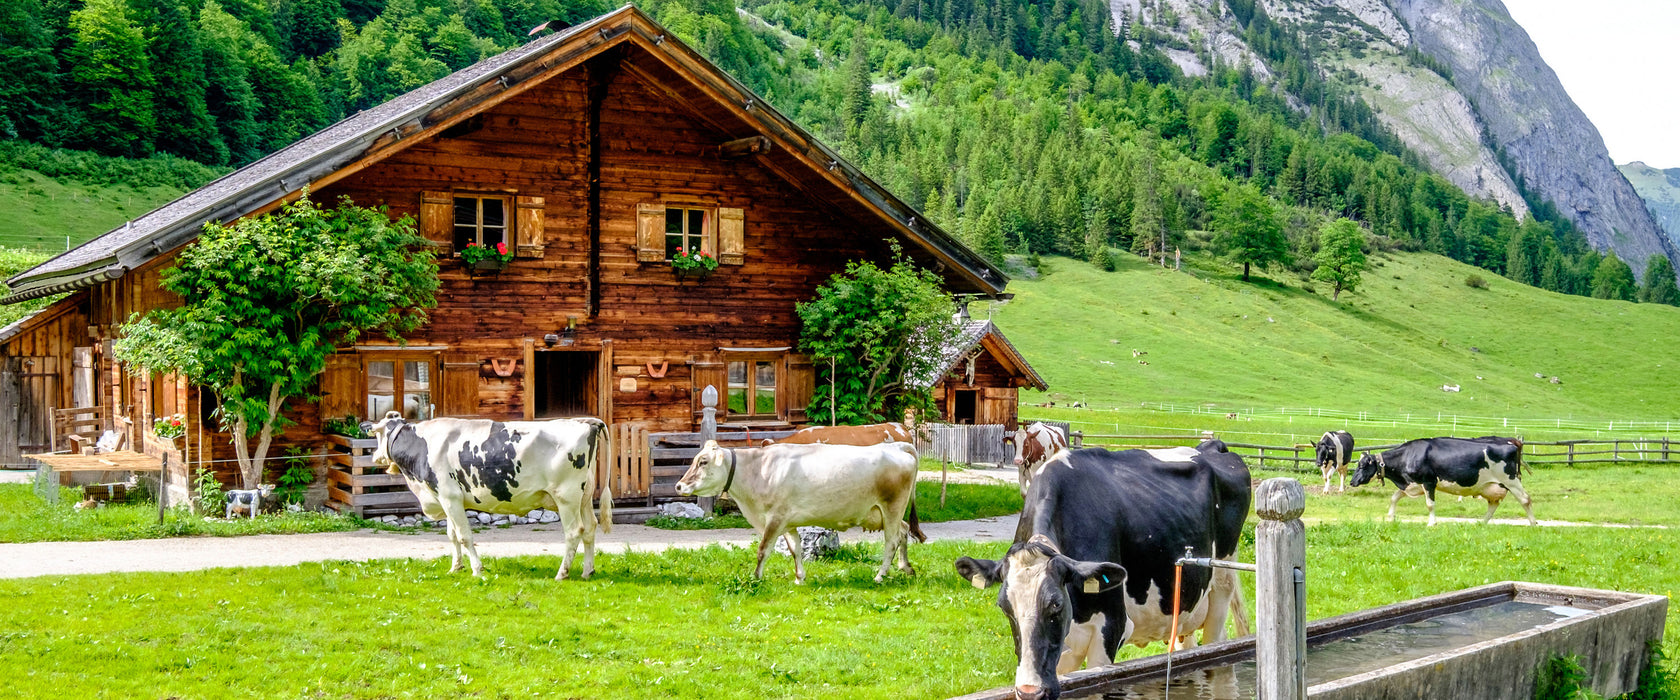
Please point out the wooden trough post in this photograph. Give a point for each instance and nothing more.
(1280, 555)
(708, 431)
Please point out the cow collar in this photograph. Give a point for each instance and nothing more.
(731, 480)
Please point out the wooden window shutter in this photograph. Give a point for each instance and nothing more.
(459, 398)
(709, 373)
(650, 232)
(800, 383)
(437, 217)
(529, 237)
(341, 387)
(732, 234)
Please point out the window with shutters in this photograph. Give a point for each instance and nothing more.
(482, 220)
(399, 384)
(686, 229)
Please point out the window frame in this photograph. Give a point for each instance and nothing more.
(509, 218)
(777, 364)
(398, 379)
(708, 227)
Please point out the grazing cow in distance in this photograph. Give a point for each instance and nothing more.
(1335, 450)
(1092, 564)
(1034, 444)
(782, 487)
(511, 467)
(859, 435)
(1488, 467)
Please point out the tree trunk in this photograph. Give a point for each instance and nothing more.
(1245, 270)
(1337, 294)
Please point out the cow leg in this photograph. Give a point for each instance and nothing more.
(572, 523)
(1492, 504)
(797, 548)
(1223, 586)
(1522, 497)
(772, 530)
(1081, 637)
(1329, 472)
(1429, 497)
(1394, 501)
(1341, 479)
(457, 515)
(892, 536)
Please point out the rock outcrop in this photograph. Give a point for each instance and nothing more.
(1661, 191)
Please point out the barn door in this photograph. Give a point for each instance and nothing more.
(37, 399)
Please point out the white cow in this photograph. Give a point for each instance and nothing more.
(781, 487)
(514, 468)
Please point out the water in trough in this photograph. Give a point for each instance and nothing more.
(1351, 656)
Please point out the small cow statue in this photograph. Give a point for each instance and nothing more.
(249, 499)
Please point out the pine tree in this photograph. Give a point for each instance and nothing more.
(185, 127)
(111, 80)
(1660, 287)
(311, 26)
(1341, 256)
(228, 96)
(859, 86)
(1148, 223)
(27, 84)
(1096, 239)
(1247, 229)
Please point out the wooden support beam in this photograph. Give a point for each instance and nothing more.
(602, 69)
(744, 147)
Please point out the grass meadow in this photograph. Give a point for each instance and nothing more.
(25, 517)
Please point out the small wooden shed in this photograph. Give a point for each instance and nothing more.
(984, 373)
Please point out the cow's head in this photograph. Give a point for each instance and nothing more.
(1369, 467)
(710, 474)
(384, 430)
(1040, 589)
(1028, 450)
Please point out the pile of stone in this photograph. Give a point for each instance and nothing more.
(814, 543)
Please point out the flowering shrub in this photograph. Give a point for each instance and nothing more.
(475, 252)
(170, 427)
(693, 260)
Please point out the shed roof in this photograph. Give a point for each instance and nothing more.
(376, 133)
(975, 334)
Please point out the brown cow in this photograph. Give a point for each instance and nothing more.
(859, 435)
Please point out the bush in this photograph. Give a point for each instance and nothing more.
(94, 169)
(294, 482)
(1475, 282)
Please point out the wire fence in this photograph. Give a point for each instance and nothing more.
(1659, 449)
(1428, 419)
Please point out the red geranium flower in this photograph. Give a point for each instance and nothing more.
(501, 248)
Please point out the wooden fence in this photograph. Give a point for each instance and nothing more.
(1303, 457)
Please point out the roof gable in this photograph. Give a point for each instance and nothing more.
(374, 134)
(984, 335)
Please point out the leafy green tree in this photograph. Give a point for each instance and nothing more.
(310, 26)
(111, 77)
(227, 93)
(27, 84)
(1341, 256)
(266, 299)
(1613, 280)
(884, 333)
(1659, 285)
(1247, 229)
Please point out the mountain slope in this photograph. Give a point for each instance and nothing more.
(1550, 143)
(1457, 81)
(1413, 327)
(1661, 191)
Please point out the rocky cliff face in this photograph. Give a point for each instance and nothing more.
(1661, 191)
(1549, 143)
(1500, 95)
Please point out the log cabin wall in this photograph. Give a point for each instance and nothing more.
(653, 152)
(995, 393)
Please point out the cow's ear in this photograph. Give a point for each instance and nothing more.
(1094, 576)
(983, 573)
(710, 445)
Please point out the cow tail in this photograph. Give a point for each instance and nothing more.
(606, 517)
(915, 522)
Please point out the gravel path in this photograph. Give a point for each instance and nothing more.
(194, 553)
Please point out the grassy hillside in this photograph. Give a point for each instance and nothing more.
(1390, 347)
(41, 211)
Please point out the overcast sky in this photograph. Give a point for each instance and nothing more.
(1618, 60)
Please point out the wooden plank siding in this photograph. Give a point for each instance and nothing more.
(656, 148)
(995, 402)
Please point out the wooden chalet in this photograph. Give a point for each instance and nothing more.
(594, 152)
(984, 374)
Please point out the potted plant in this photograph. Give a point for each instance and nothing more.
(693, 263)
(486, 260)
(170, 428)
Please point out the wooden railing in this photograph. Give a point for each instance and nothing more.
(1304, 458)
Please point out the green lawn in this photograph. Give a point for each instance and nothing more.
(41, 211)
(962, 502)
(680, 624)
(25, 517)
(1413, 327)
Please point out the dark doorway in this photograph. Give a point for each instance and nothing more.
(565, 384)
(962, 411)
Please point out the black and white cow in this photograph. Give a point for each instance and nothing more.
(513, 468)
(1335, 450)
(1489, 467)
(1093, 559)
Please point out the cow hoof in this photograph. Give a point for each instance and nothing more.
(880, 577)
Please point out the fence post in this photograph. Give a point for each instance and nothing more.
(1571, 454)
(1280, 551)
(1616, 450)
(1665, 448)
(708, 431)
(1262, 456)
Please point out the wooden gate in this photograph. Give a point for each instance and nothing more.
(37, 382)
(627, 467)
